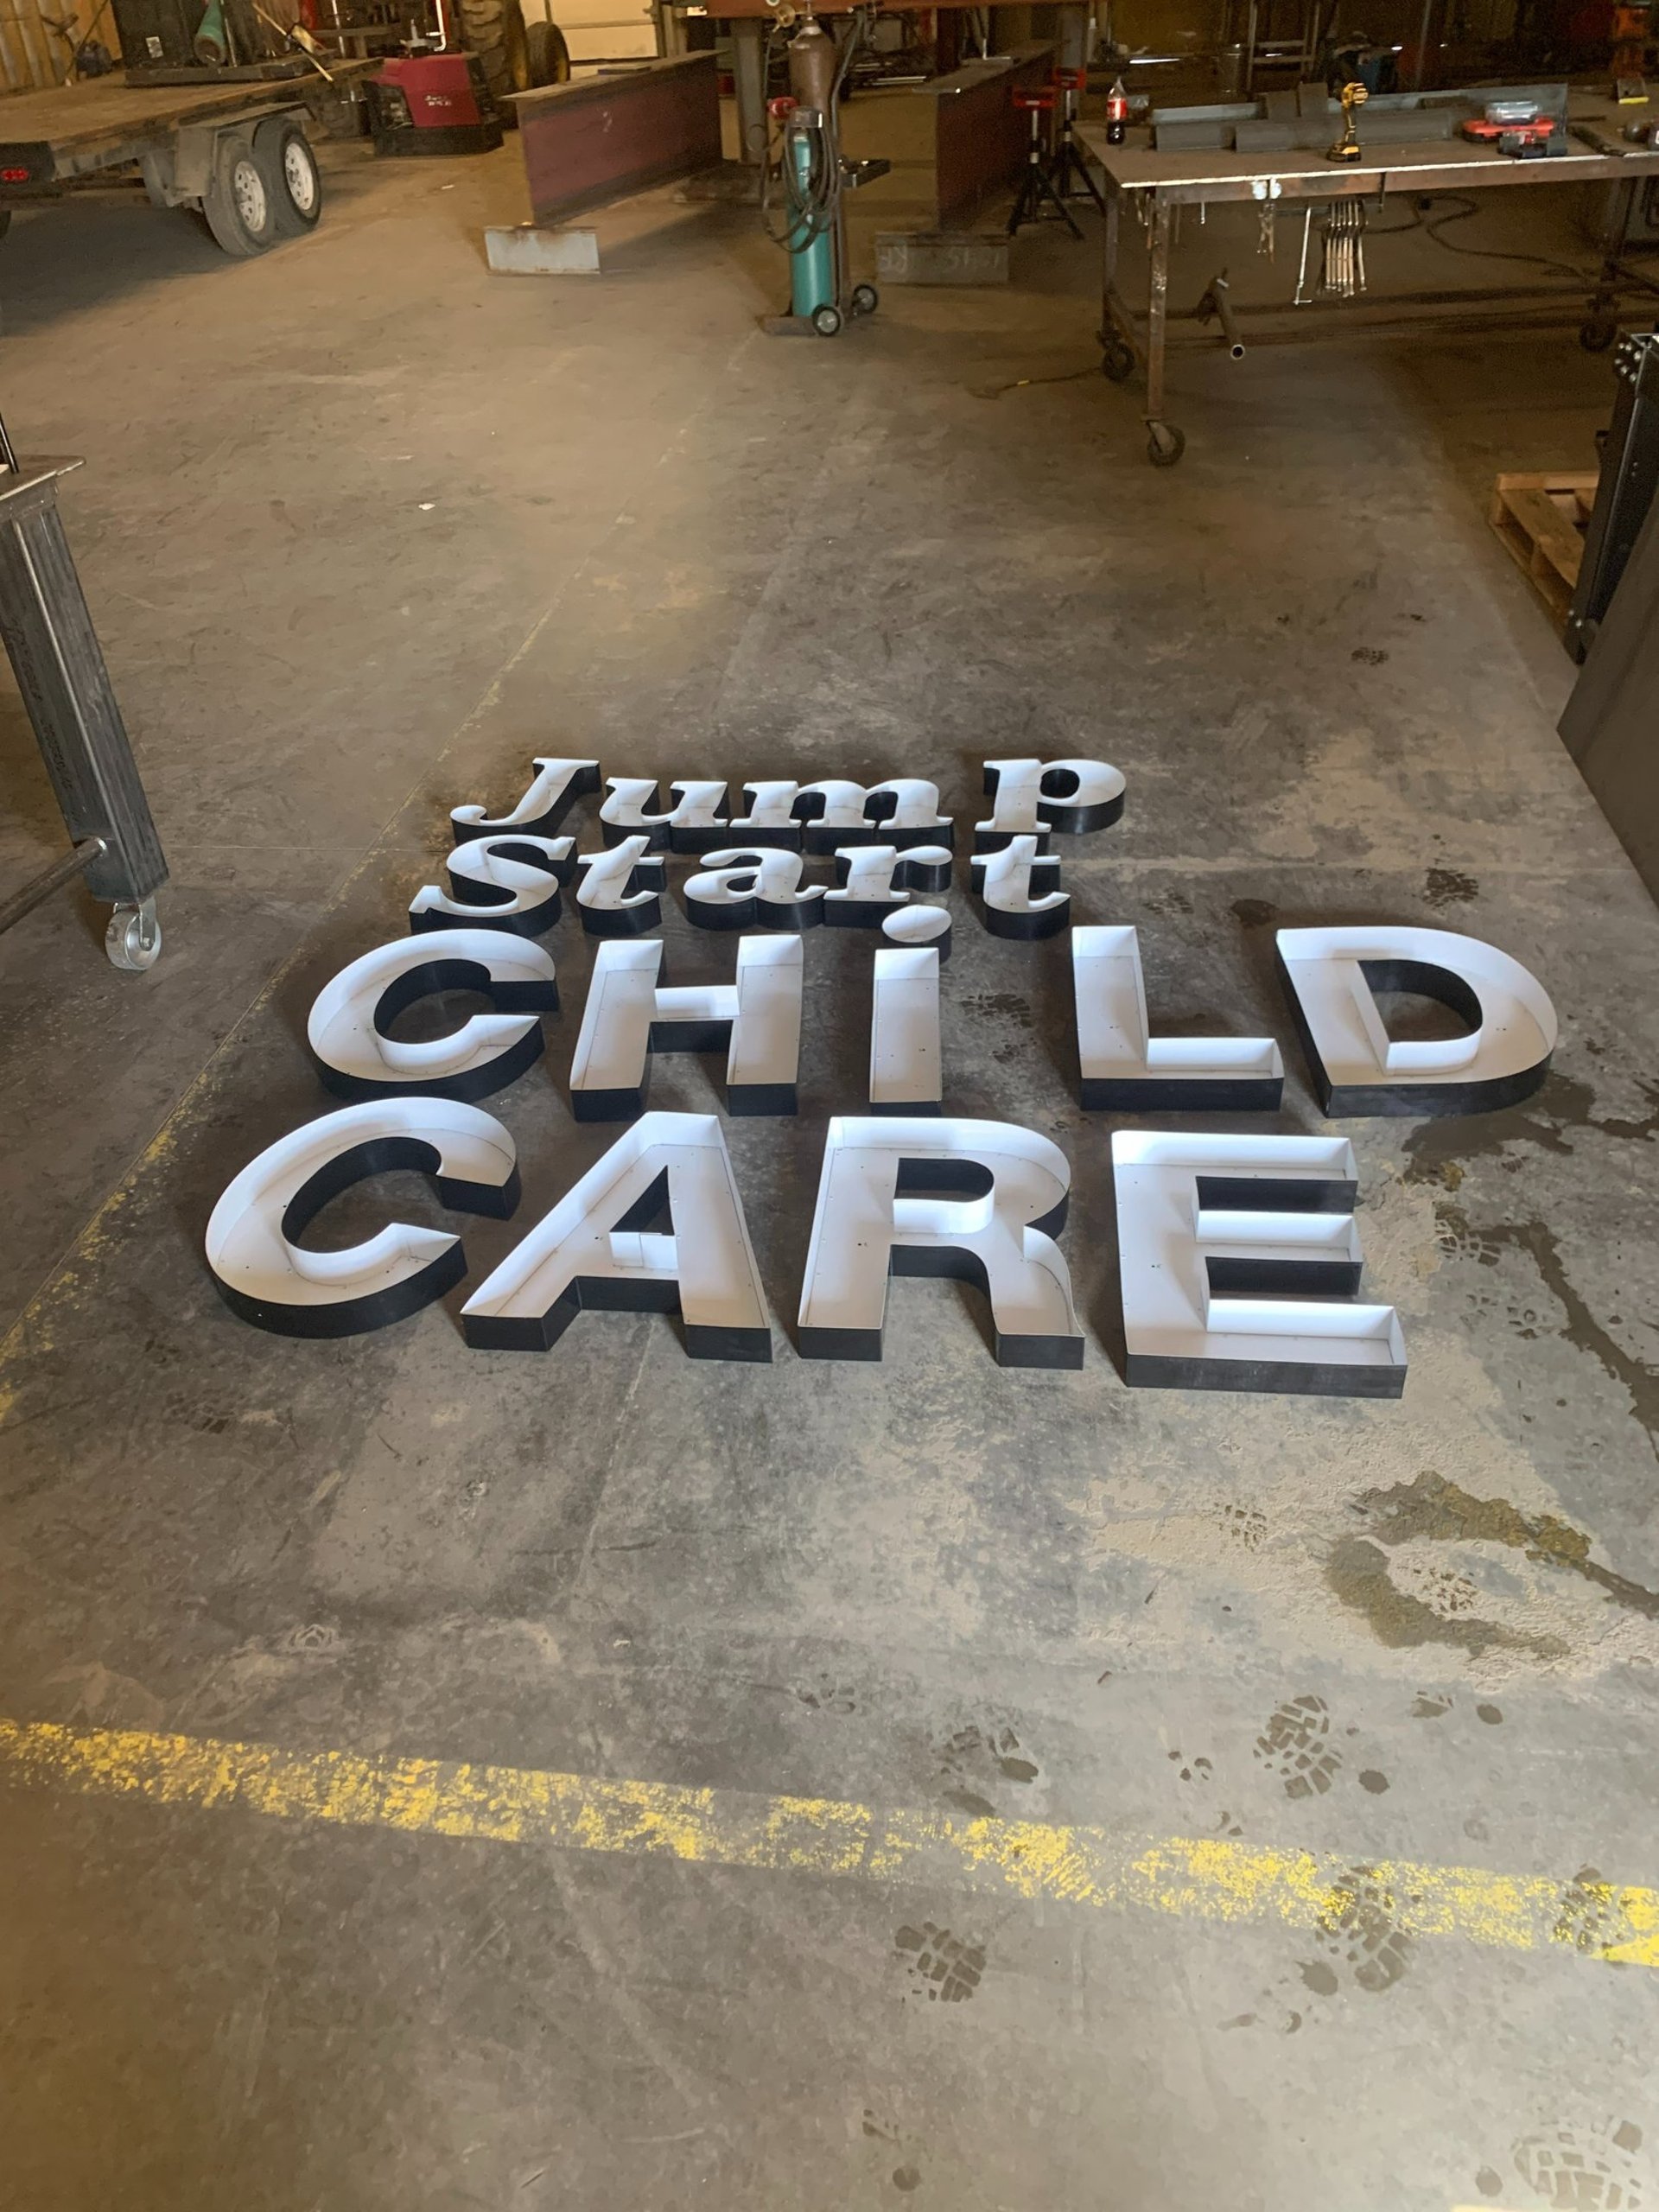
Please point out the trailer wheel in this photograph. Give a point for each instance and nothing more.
(292, 176)
(549, 57)
(494, 31)
(240, 203)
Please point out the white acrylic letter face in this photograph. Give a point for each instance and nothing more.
(873, 880)
(277, 1284)
(1019, 891)
(598, 1250)
(690, 825)
(902, 811)
(905, 1074)
(628, 1016)
(557, 786)
(1127, 1071)
(620, 893)
(976, 1200)
(500, 883)
(356, 1058)
(915, 926)
(745, 890)
(772, 819)
(1240, 1263)
(1332, 976)
(1031, 797)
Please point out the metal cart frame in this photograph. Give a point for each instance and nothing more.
(1159, 185)
(61, 672)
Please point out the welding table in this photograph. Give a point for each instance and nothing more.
(1159, 184)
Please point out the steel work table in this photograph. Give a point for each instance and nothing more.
(1161, 183)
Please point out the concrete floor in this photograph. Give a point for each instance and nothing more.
(365, 528)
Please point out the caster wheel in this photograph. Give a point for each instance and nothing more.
(866, 299)
(133, 940)
(1164, 444)
(826, 322)
(1118, 360)
(1596, 337)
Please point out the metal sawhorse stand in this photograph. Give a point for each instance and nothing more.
(58, 665)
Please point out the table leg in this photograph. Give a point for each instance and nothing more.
(1165, 443)
(1601, 318)
(749, 82)
(1116, 352)
(1108, 264)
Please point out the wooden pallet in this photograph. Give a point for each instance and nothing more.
(1542, 519)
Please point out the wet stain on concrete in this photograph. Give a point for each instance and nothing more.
(1320, 1978)
(1491, 1714)
(1166, 902)
(940, 1964)
(1440, 1511)
(1195, 1770)
(1372, 1779)
(1449, 886)
(906, 2178)
(970, 1802)
(1359, 1572)
(1358, 1928)
(1547, 1119)
(987, 1005)
(1591, 1918)
(1369, 656)
(1582, 2172)
(1254, 913)
(1438, 1152)
(1294, 1747)
(1580, 1326)
(827, 1693)
(1246, 1524)
(972, 1750)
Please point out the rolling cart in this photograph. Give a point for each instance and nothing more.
(58, 665)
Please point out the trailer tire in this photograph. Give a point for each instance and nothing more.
(240, 203)
(292, 176)
(494, 31)
(549, 57)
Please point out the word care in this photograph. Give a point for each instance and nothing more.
(1240, 1261)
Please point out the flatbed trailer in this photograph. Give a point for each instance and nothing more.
(239, 151)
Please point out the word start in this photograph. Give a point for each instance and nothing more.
(1240, 1258)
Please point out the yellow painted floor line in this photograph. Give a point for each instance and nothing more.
(1194, 1877)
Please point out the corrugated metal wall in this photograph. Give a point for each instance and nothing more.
(31, 53)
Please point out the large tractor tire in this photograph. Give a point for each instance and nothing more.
(494, 31)
(549, 57)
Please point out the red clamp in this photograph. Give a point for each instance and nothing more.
(781, 107)
(1037, 100)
